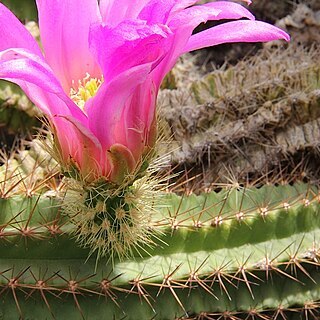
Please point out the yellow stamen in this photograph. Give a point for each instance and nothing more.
(86, 89)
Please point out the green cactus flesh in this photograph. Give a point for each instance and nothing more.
(246, 252)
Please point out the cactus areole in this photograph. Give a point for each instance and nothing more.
(97, 75)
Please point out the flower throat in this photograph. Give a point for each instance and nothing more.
(86, 89)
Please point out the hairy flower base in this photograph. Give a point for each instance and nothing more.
(111, 221)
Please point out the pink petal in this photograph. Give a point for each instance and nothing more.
(106, 108)
(13, 34)
(133, 129)
(211, 11)
(182, 4)
(235, 31)
(64, 26)
(184, 22)
(229, 10)
(35, 77)
(79, 144)
(115, 11)
(160, 11)
(129, 44)
(178, 42)
(74, 139)
(157, 11)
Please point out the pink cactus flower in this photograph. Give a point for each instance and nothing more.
(97, 75)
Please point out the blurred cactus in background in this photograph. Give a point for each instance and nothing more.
(25, 10)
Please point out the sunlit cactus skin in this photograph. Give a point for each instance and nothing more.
(239, 252)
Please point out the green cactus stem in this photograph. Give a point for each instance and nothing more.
(237, 252)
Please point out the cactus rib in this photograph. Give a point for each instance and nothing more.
(238, 250)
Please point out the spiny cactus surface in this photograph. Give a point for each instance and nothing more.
(236, 250)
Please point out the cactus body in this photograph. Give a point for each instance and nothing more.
(234, 251)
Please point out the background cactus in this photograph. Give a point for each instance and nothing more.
(18, 117)
(25, 10)
(232, 241)
(259, 116)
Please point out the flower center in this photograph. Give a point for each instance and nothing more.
(86, 89)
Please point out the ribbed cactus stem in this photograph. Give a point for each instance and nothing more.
(236, 251)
